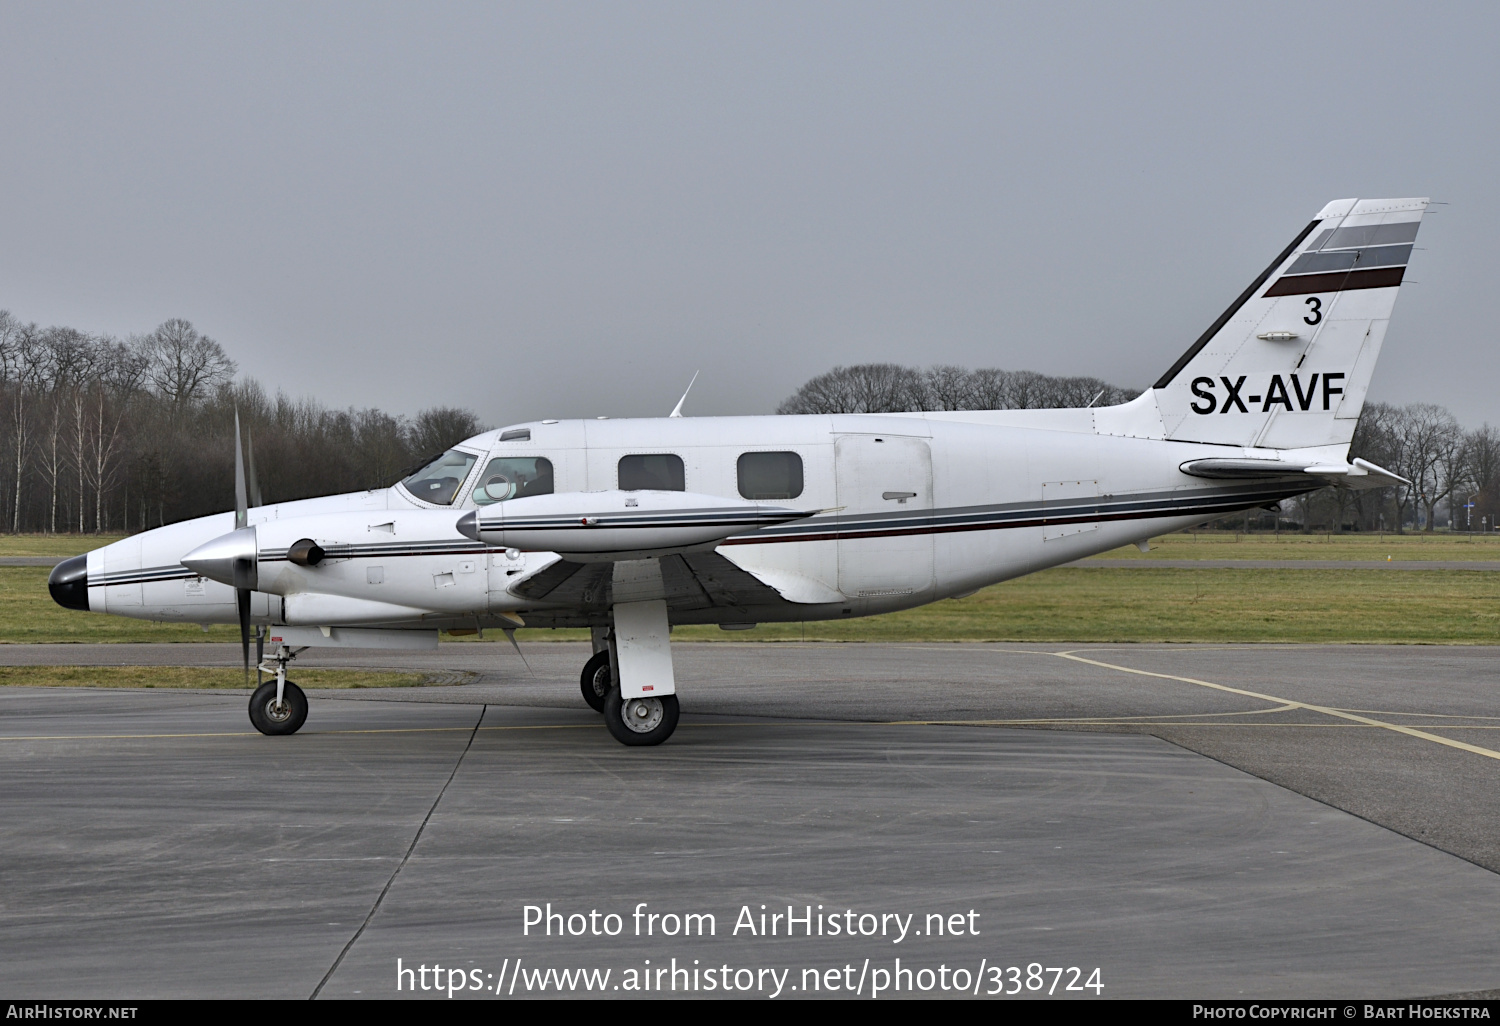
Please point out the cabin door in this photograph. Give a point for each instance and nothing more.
(885, 541)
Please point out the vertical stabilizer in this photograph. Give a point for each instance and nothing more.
(1288, 364)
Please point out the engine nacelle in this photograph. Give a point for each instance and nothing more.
(338, 554)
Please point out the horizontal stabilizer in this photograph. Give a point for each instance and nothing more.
(1359, 474)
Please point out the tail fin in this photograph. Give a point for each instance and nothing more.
(1288, 364)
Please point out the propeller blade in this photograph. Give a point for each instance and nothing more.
(242, 598)
(241, 508)
(254, 489)
(260, 652)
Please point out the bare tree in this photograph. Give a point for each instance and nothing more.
(437, 429)
(185, 366)
(1377, 438)
(1484, 457)
(141, 430)
(119, 372)
(25, 358)
(1450, 471)
(1427, 432)
(1083, 392)
(13, 362)
(990, 389)
(862, 388)
(384, 446)
(67, 353)
(1029, 391)
(1389, 426)
(890, 388)
(946, 387)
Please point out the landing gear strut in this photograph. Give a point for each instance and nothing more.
(278, 706)
(641, 706)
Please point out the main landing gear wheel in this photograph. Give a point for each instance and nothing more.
(273, 719)
(596, 681)
(640, 721)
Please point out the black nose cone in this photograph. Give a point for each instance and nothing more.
(69, 583)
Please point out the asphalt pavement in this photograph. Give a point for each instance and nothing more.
(1195, 821)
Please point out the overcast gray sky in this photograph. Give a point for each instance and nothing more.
(565, 209)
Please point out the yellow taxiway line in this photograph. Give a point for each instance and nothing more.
(1488, 753)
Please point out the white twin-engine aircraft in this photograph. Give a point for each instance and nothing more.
(628, 527)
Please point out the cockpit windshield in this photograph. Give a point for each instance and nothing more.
(439, 481)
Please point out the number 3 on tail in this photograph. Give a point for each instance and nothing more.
(1315, 316)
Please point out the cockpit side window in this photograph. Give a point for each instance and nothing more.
(513, 477)
(439, 481)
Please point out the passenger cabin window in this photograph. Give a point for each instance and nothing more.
(439, 481)
(513, 477)
(660, 472)
(770, 475)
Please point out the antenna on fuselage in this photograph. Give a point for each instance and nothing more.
(677, 410)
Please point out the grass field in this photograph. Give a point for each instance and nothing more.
(1066, 604)
(1267, 545)
(29, 616)
(190, 677)
(1088, 604)
(53, 544)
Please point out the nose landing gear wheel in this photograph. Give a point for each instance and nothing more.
(596, 681)
(640, 721)
(273, 719)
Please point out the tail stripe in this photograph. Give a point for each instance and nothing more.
(1367, 256)
(1349, 259)
(1337, 281)
(1356, 236)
